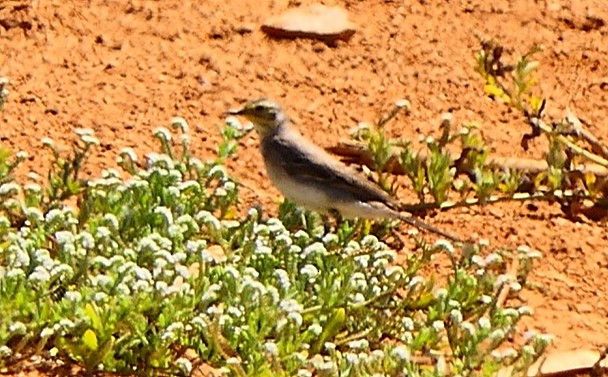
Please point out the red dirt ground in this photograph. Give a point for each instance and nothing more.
(124, 67)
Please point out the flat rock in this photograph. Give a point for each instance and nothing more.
(565, 363)
(315, 21)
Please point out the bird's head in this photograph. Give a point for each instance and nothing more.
(265, 114)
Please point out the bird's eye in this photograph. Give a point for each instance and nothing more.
(259, 108)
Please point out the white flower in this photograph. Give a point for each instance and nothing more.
(391, 255)
(66, 324)
(361, 344)
(402, 353)
(17, 328)
(111, 220)
(34, 213)
(271, 348)
(89, 140)
(497, 334)
(416, 280)
(445, 245)
(289, 305)
(73, 296)
(296, 318)
(468, 327)
(528, 349)
(229, 186)
(310, 271)
(484, 323)
(47, 332)
(525, 310)
(129, 152)
(40, 274)
(545, 339)
(218, 171)
(15, 272)
(301, 235)
(61, 269)
(397, 271)
(102, 280)
(456, 316)
(403, 104)
(369, 241)
(380, 263)
(64, 237)
(294, 249)
(211, 293)
(162, 133)
(352, 358)
(207, 218)
(303, 373)
(10, 188)
(84, 131)
(283, 278)
(184, 365)
(189, 185)
(33, 188)
(330, 239)
(510, 312)
(493, 258)
(315, 329)
(408, 323)
(142, 273)
(504, 354)
(235, 312)
(284, 240)
(316, 249)
(5, 352)
(180, 123)
(363, 260)
(165, 212)
(195, 246)
(141, 286)
(358, 298)
(275, 226)
(327, 367)
(438, 326)
(263, 250)
(103, 232)
(47, 142)
(230, 270)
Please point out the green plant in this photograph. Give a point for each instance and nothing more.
(157, 266)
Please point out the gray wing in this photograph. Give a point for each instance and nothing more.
(301, 163)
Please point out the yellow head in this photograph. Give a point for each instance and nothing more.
(265, 114)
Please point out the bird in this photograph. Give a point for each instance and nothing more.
(314, 179)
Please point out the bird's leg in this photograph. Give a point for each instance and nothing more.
(335, 214)
(303, 219)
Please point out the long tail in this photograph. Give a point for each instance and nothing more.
(424, 226)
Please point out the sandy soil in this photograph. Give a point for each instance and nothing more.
(124, 67)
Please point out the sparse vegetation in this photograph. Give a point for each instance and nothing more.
(155, 272)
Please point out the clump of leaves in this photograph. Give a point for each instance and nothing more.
(570, 177)
(456, 169)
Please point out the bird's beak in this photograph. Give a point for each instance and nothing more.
(234, 112)
(240, 112)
